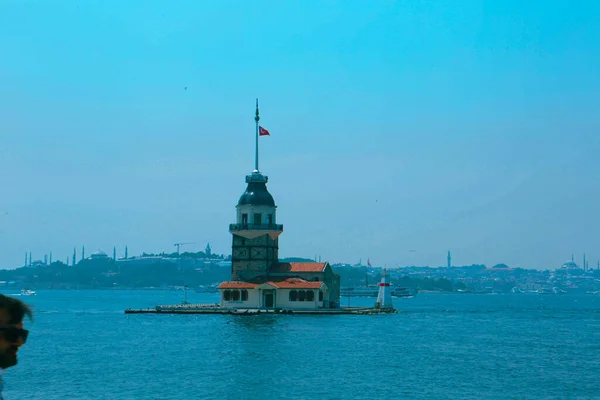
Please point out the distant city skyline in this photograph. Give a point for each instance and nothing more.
(397, 131)
(123, 253)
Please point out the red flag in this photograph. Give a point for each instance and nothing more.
(263, 132)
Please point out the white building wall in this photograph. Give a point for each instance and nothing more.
(251, 210)
(283, 300)
(252, 302)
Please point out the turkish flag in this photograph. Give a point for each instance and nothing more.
(263, 132)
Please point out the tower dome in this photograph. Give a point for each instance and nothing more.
(256, 193)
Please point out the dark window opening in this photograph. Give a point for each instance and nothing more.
(320, 295)
(316, 279)
(235, 295)
(301, 295)
(226, 295)
(310, 295)
(293, 295)
(257, 219)
(244, 295)
(270, 219)
(244, 219)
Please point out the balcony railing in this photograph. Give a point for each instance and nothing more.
(255, 227)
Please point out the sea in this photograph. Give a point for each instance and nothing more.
(438, 346)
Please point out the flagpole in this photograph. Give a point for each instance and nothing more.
(256, 119)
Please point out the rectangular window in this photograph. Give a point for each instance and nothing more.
(257, 219)
(244, 219)
(270, 219)
(320, 295)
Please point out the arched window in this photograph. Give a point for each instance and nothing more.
(235, 295)
(244, 295)
(300, 295)
(320, 295)
(310, 295)
(293, 295)
(226, 295)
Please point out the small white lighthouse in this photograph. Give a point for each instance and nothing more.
(384, 297)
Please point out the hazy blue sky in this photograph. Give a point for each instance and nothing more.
(395, 126)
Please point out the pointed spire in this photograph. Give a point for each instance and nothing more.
(257, 116)
(256, 119)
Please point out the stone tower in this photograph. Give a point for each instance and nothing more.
(255, 243)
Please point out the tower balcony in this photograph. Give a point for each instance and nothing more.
(255, 227)
(251, 231)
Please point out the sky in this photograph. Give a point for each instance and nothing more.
(399, 129)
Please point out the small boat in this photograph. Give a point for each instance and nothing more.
(207, 289)
(403, 292)
(27, 292)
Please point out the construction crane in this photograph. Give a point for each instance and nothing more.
(181, 244)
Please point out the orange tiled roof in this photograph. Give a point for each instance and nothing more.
(300, 267)
(237, 285)
(295, 283)
(286, 283)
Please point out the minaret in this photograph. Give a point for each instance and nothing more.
(384, 297)
(115, 253)
(73, 260)
(126, 252)
(82, 253)
(255, 243)
(45, 259)
(50, 257)
(25, 265)
(449, 260)
(30, 262)
(584, 261)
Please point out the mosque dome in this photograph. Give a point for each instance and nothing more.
(98, 254)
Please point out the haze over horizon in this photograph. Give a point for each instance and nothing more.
(394, 127)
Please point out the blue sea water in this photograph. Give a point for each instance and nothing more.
(83, 346)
